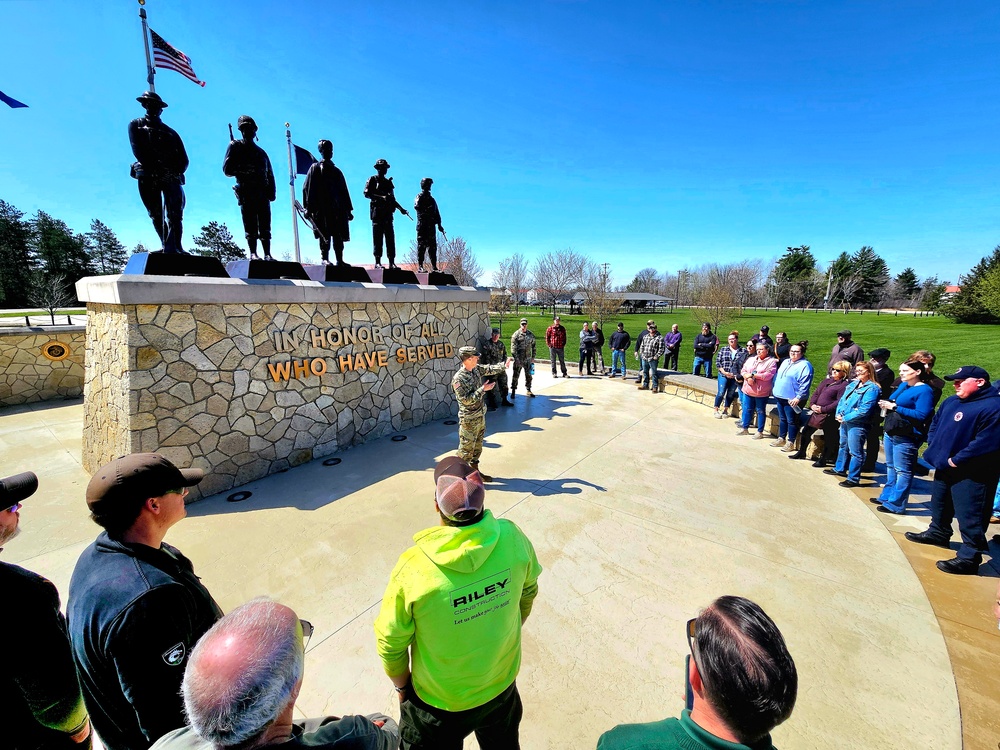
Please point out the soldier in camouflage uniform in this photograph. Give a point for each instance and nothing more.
(493, 352)
(522, 349)
(469, 390)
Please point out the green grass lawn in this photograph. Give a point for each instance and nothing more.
(953, 344)
(22, 313)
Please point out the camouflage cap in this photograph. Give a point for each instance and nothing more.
(467, 351)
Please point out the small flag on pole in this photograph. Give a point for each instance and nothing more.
(14, 103)
(303, 160)
(170, 58)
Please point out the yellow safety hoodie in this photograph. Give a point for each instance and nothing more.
(458, 598)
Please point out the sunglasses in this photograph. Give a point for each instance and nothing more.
(691, 627)
(183, 492)
(307, 632)
(13, 508)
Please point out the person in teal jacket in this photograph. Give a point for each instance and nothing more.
(449, 631)
(853, 410)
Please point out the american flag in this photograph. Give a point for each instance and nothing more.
(170, 58)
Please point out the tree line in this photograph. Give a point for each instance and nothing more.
(795, 279)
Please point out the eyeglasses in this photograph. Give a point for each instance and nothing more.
(183, 492)
(13, 509)
(691, 645)
(307, 633)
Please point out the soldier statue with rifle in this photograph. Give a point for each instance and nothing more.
(327, 204)
(248, 163)
(380, 191)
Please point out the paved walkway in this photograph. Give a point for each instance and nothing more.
(642, 509)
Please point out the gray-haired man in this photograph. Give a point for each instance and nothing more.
(241, 683)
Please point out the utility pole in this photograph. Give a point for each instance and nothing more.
(829, 282)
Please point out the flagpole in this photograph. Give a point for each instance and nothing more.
(145, 41)
(291, 190)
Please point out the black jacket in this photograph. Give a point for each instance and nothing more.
(134, 615)
(39, 690)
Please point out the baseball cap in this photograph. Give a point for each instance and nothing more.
(969, 371)
(523, 321)
(765, 329)
(882, 355)
(137, 476)
(845, 333)
(494, 331)
(459, 489)
(467, 351)
(14, 489)
(557, 318)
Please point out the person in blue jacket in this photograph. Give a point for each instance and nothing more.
(908, 412)
(853, 410)
(964, 449)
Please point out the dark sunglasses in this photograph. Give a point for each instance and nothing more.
(307, 632)
(13, 508)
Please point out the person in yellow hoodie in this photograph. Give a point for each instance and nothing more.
(449, 631)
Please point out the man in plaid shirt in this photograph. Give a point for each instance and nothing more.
(650, 351)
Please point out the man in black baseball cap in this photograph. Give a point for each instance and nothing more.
(136, 607)
(963, 446)
(39, 689)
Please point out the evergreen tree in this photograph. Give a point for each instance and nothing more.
(967, 306)
(58, 252)
(907, 284)
(139, 248)
(216, 241)
(107, 253)
(15, 257)
(795, 278)
(873, 275)
(842, 279)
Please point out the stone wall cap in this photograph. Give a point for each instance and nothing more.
(39, 330)
(124, 289)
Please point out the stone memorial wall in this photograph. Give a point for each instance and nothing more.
(41, 365)
(247, 378)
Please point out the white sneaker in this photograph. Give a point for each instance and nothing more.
(778, 443)
(718, 415)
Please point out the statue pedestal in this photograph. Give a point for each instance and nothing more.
(338, 273)
(391, 276)
(266, 269)
(175, 264)
(247, 377)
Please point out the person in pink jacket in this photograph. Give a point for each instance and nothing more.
(758, 378)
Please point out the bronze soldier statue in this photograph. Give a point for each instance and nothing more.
(380, 191)
(428, 224)
(327, 202)
(160, 163)
(248, 163)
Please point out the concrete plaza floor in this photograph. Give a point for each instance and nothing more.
(642, 509)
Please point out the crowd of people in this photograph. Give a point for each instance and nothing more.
(146, 657)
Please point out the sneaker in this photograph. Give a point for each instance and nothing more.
(743, 432)
(788, 448)
(643, 387)
(778, 443)
(758, 436)
(532, 395)
(718, 415)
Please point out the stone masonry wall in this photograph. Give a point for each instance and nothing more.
(41, 365)
(246, 390)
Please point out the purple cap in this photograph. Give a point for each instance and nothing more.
(460, 493)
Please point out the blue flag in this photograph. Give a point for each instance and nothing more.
(303, 160)
(11, 101)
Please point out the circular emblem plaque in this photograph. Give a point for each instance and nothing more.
(55, 350)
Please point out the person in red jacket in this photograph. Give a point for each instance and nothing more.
(555, 339)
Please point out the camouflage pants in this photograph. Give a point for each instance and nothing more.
(518, 366)
(499, 392)
(471, 431)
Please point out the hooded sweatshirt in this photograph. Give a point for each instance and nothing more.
(968, 432)
(456, 600)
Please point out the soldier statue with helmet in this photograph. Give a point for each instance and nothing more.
(381, 192)
(249, 164)
(428, 224)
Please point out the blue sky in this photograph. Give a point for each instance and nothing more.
(643, 134)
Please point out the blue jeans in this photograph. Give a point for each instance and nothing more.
(617, 357)
(900, 458)
(956, 496)
(727, 390)
(852, 449)
(699, 361)
(996, 504)
(788, 420)
(754, 403)
(649, 367)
